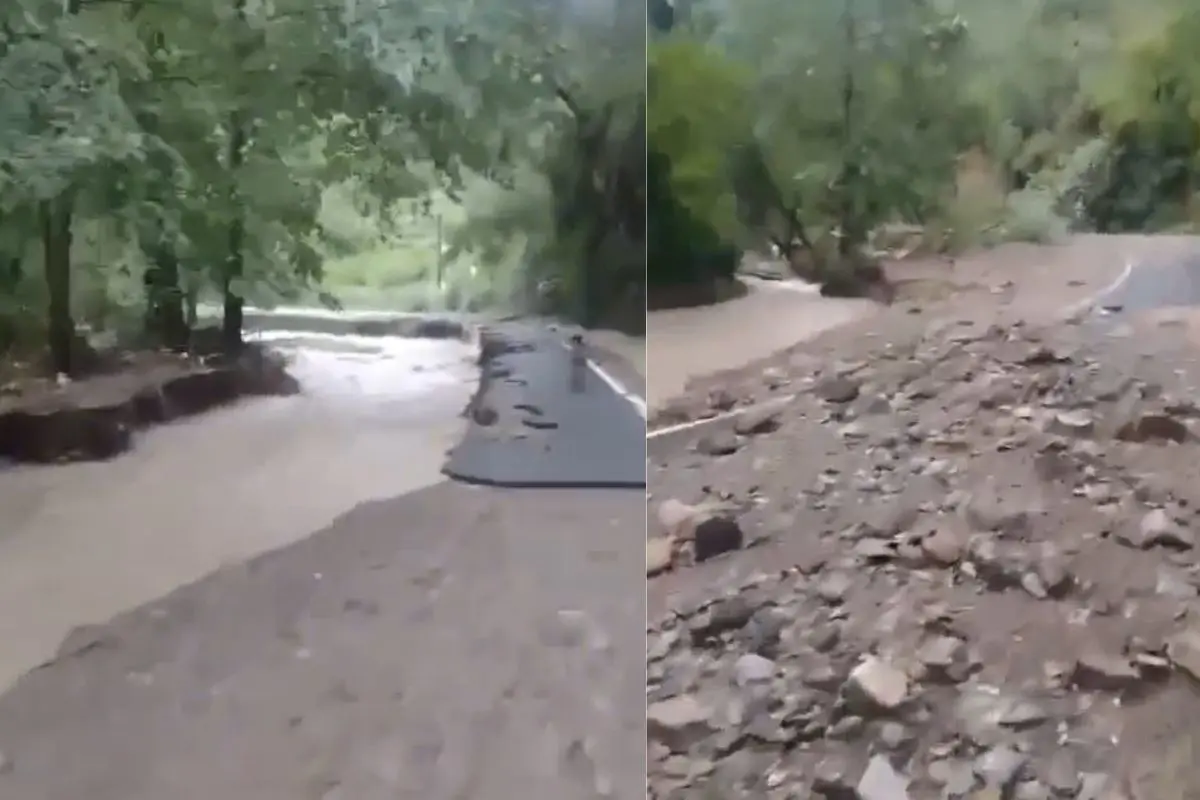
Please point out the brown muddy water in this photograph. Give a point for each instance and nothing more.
(80, 543)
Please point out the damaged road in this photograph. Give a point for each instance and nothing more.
(961, 563)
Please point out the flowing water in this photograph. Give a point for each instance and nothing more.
(80, 543)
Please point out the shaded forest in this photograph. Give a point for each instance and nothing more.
(821, 131)
(160, 155)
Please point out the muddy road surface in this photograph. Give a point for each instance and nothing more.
(429, 640)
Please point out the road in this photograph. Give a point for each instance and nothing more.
(442, 641)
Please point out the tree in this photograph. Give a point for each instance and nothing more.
(161, 150)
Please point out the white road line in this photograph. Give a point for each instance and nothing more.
(1070, 311)
(637, 402)
(1089, 302)
(658, 433)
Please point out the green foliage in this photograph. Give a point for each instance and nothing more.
(855, 114)
(696, 115)
(156, 153)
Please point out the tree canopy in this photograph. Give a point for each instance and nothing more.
(815, 126)
(157, 153)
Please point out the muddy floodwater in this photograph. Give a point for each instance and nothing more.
(80, 543)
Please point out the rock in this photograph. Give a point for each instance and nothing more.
(680, 723)
(881, 781)
(751, 669)
(943, 547)
(1156, 528)
(1061, 774)
(730, 614)
(1153, 428)
(1104, 673)
(989, 509)
(1072, 423)
(945, 659)
(832, 781)
(721, 400)
(659, 555)
(837, 390)
(715, 535)
(677, 519)
(875, 687)
(718, 443)
(833, 587)
(1001, 768)
(756, 422)
(1184, 651)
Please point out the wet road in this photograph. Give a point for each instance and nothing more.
(82, 542)
(1156, 285)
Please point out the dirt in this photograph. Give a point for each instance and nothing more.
(446, 642)
(455, 642)
(96, 417)
(82, 542)
(955, 559)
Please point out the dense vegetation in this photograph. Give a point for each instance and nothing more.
(822, 127)
(160, 154)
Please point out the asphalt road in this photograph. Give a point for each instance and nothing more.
(548, 419)
(1171, 284)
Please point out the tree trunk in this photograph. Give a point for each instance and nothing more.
(56, 255)
(164, 301)
(233, 316)
(848, 181)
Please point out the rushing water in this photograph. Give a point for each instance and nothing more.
(82, 542)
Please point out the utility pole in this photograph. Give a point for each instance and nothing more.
(439, 252)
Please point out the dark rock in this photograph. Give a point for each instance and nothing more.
(725, 616)
(1153, 428)
(715, 535)
(837, 390)
(719, 443)
(756, 422)
(1105, 673)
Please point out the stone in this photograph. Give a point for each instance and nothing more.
(718, 443)
(944, 659)
(659, 555)
(943, 546)
(837, 390)
(725, 616)
(1148, 428)
(1159, 529)
(1072, 423)
(1184, 651)
(679, 723)
(721, 400)
(875, 687)
(1001, 768)
(881, 781)
(677, 519)
(714, 535)
(1061, 774)
(1104, 673)
(751, 669)
(833, 587)
(832, 781)
(756, 422)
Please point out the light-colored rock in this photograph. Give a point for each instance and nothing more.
(875, 687)
(659, 555)
(678, 722)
